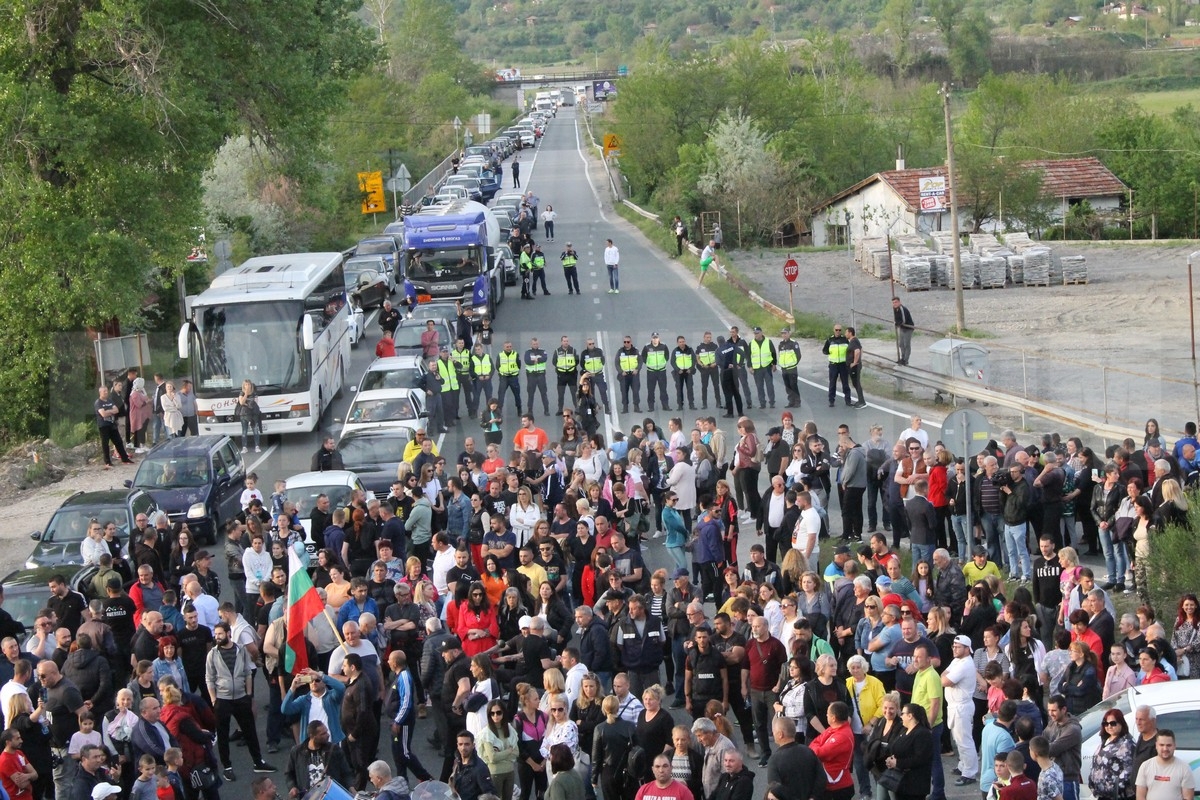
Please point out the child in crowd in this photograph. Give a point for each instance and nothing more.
(278, 498)
(251, 491)
(87, 734)
(146, 785)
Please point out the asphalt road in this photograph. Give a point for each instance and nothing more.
(656, 295)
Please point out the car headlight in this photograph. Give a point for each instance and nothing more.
(197, 511)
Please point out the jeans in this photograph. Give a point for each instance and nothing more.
(64, 774)
(993, 528)
(247, 427)
(242, 710)
(1116, 557)
(614, 277)
(862, 775)
(679, 556)
(938, 790)
(876, 491)
(959, 523)
(158, 431)
(679, 656)
(922, 552)
(1018, 551)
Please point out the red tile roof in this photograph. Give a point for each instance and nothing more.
(1074, 178)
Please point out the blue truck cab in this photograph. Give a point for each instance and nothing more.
(450, 254)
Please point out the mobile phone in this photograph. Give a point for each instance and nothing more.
(1096, 476)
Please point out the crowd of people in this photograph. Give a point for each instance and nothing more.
(504, 602)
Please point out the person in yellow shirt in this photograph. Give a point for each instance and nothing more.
(979, 567)
(531, 569)
(927, 693)
(414, 446)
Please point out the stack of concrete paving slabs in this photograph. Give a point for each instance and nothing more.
(940, 270)
(1016, 269)
(1074, 269)
(969, 264)
(993, 272)
(943, 242)
(914, 273)
(1037, 266)
(862, 250)
(880, 264)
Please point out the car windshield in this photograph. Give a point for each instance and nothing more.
(375, 247)
(445, 264)
(172, 473)
(408, 337)
(1089, 723)
(403, 378)
(260, 339)
(386, 409)
(24, 605)
(70, 524)
(360, 451)
(305, 497)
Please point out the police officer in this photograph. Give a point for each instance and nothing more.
(593, 363)
(569, 259)
(656, 356)
(628, 365)
(460, 357)
(508, 365)
(431, 384)
(683, 363)
(729, 359)
(787, 355)
(535, 375)
(539, 271)
(762, 364)
(525, 266)
(449, 378)
(706, 361)
(481, 378)
(836, 348)
(566, 364)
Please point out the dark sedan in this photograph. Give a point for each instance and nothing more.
(374, 455)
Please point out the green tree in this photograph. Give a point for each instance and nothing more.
(744, 176)
(900, 19)
(112, 112)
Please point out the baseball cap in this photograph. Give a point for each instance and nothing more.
(681, 573)
(203, 554)
(524, 622)
(654, 335)
(452, 643)
(776, 431)
(547, 454)
(842, 550)
(757, 329)
(103, 790)
(965, 641)
(883, 582)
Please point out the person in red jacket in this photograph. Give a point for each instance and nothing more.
(477, 626)
(835, 748)
(386, 346)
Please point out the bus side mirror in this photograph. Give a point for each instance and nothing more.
(308, 336)
(185, 333)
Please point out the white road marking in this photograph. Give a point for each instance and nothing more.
(587, 174)
(254, 465)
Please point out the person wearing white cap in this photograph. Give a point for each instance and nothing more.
(958, 686)
(103, 791)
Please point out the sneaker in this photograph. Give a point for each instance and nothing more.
(1126, 589)
(244, 450)
(658, 535)
(964, 781)
(616, 291)
(229, 776)
(263, 766)
(762, 762)
(257, 449)
(272, 747)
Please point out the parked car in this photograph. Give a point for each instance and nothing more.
(408, 333)
(1177, 705)
(397, 372)
(508, 264)
(384, 246)
(473, 186)
(386, 408)
(26, 591)
(370, 279)
(338, 485)
(58, 543)
(195, 479)
(374, 455)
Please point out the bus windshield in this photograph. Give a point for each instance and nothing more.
(249, 341)
(444, 265)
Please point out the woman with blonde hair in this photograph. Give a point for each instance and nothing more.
(21, 716)
(523, 515)
(653, 727)
(553, 682)
(611, 740)
(192, 731)
(531, 723)
(747, 464)
(791, 570)
(586, 713)
(560, 730)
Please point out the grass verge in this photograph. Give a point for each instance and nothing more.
(68, 435)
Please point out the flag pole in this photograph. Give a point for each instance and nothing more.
(336, 632)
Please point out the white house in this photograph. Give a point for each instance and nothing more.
(889, 203)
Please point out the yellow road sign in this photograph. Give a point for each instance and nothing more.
(371, 186)
(611, 142)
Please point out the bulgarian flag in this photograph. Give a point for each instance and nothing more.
(304, 605)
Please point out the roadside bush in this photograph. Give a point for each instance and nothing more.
(1172, 568)
(68, 435)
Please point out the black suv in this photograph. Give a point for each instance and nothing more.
(195, 479)
(58, 543)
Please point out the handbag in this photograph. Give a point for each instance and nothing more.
(203, 778)
(890, 779)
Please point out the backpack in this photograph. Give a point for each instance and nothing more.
(635, 764)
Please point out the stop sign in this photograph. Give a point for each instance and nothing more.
(791, 270)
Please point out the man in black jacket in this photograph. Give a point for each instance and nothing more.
(594, 648)
(316, 758)
(793, 766)
(470, 778)
(949, 585)
(737, 782)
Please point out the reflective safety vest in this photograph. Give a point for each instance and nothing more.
(760, 354)
(565, 362)
(837, 352)
(789, 354)
(483, 365)
(462, 360)
(628, 362)
(539, 261)
(593, 363)
(706, 358)
(526, 263)
(683, 360)
(510, 363)
(535, 369)
(569, 260)
(449, 377)
(656, 359)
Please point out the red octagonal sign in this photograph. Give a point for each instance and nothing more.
(791, 270)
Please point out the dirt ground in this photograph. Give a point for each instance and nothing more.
(1113, 343)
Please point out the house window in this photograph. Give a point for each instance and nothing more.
(837, 234)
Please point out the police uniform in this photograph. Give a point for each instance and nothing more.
(628, 365)
(729, 360)
(449, 378)
(482, 368)
(525, 267)
(535, 377)
(787, 355)
(706, 362)
(762, 362)
(431, 384)
(508, 367)
(539, 272)
(655, 357)
(569, 259)
(683, 362)
(566, 365)
(593, 363)
(837, 348)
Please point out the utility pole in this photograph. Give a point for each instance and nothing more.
(959, 315)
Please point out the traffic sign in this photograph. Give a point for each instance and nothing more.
(612, 143)
(791, 270)
(371, 186)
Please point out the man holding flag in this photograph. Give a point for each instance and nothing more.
(303, 606)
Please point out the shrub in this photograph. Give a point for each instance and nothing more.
(68, 435)
(1172, 568)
